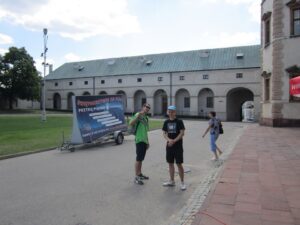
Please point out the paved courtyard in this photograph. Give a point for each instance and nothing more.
(259, 182)
(94, 186)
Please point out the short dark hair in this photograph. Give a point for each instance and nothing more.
(146, 105)
(213, 113)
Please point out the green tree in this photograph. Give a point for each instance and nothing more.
(18, 76)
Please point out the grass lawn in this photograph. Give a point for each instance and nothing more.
(23, 133)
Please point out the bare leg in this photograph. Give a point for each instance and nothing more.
(216, 155)
(171, 171)
(138, 168)
(219, 150)
(181, 172)
(214, 147)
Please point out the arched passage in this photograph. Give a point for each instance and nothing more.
(182, 99)
(56, 101)
(160, 102)
(235, 99)
(86, 93)
(69, 103)
(205, 102)
(124, 98)
(139, 100)
(102, 93)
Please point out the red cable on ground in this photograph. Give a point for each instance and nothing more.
(212, 217)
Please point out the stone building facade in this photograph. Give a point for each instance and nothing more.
(280, 38)
(195, 81)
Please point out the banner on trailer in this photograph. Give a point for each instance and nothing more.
(96, 116)
(295, 86)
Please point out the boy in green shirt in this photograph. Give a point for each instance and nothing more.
(140, 121)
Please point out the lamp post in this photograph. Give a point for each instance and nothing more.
(44, 54)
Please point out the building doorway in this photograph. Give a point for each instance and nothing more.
(124, 99)
(56, 101)
(160, 102)
(70, 104)
(183, 104)
(235, 99)
(139, 100)
(205, 102)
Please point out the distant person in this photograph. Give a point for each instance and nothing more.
(173, 132)
(213, 129)
(140, 122)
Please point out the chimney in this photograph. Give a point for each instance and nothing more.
(50, 68)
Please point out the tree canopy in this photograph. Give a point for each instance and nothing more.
(18, 76)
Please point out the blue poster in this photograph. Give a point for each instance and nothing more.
(98, 116)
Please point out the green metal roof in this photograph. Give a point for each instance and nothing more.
(197, 60)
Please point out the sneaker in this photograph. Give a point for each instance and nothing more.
(169, 184)
(138, 180)
(143, 177)
(183, 187)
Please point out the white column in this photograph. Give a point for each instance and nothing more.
(64, 103)
(220, 107)
(257, 107)
(193, 105)
(150, 100)
(130, 104)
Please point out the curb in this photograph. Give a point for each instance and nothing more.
(25, 153)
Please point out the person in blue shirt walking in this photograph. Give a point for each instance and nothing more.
(213, 129)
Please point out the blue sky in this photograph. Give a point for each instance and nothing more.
(94, 29)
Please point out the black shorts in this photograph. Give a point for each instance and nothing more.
(141, 149)
(174, 154)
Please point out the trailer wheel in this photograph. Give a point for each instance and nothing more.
(119, 139)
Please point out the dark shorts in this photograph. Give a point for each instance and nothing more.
(141, 149)
(174, 154)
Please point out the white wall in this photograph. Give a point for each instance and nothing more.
(25, 104)
(220, 82)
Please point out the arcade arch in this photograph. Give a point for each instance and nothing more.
(56, 101)
(183, 104)
(124, 98)
(205, 102)
(86, 93)
(235, 99)
(69, 100)
(139, 100)
(160, 103)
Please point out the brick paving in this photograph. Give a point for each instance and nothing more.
(259, 183)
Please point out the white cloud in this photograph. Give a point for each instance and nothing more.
(252, 5)
(75, 19)
(228, 1)
(5, 39)
(239, 38)
(240, 1)
(3, 51)
(40, 66)
(21, 6)
(254, 10)
(71, 57)
(224, 39)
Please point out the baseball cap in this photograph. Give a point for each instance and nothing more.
(171, 107)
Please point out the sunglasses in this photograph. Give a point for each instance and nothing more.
(148, 107)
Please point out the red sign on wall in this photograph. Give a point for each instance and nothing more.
(295, 86)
